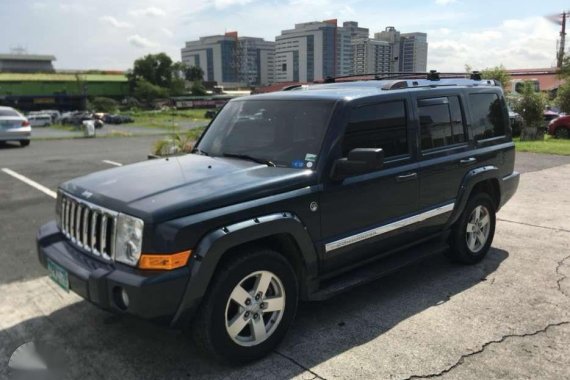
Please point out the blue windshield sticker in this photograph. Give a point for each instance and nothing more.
(298, 164)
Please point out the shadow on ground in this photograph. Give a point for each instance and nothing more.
(100, 345)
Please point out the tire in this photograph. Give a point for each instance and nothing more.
(471, 247)
(213, 330)
(562, 133)
(24, 142)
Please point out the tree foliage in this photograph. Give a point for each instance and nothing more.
(101, 104)
(194, 73)
(147, 92)
(530, 105)
(198, 88)
(498, 73)
(563, 97)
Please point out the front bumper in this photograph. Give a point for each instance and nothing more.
(509, 186)
(152, 294)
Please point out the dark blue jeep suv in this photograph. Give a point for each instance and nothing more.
(288, 196)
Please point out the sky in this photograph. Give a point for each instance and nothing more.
(111, 34)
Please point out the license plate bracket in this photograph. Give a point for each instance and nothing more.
(58, 275)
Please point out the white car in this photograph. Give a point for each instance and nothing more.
(14, 126)
(40, 120)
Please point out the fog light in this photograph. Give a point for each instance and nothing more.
(124, 298)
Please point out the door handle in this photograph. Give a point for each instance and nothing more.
(406, 177)
(468, 161)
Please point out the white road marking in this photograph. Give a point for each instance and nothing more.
(112, 163)
(33, 184)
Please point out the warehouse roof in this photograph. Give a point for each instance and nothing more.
(43, 77)
(26, 57)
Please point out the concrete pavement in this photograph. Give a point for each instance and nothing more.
(507, 317)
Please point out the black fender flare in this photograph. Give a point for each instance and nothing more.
(214, 245)
(472, 178)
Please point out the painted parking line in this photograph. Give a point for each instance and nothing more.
(30, 182)
(112, 163)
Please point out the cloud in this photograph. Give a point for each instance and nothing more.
(444, 2)
(150, 11)
(140, 42)
(38, 5)
(167, 32)
(221, 4)
(110, 20)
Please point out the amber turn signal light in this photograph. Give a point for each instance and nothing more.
(164, 262)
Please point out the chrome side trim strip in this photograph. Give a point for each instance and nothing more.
(388, 227)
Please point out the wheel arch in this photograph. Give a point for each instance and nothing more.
(283, 232)
(482, 179)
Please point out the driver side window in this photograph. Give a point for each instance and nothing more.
(381, 125)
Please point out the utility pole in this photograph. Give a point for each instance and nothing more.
(560, 55)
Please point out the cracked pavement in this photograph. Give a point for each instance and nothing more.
(507, 317)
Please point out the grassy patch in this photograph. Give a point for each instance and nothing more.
(549, 145)
(167, 119)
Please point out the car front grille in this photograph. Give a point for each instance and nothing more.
(88, 226)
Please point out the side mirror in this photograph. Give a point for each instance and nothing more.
(359, 161)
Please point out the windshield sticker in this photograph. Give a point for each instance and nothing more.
(309, 164)
(311, 157)
(298, 164)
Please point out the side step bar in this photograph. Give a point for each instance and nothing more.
(377, 269)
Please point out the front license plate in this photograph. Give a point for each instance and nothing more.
(58, 275)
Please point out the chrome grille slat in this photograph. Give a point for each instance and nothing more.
(88, 226)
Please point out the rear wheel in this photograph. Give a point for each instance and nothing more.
(249, 307)
(562, 133)
(474, 231)
(24, 142)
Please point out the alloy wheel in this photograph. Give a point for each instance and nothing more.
(478, 228)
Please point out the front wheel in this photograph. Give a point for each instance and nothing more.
(249, 307)
(473, 233)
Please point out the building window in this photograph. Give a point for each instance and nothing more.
(284, 67)
(488, 118)
(378, 126)
(441, 122)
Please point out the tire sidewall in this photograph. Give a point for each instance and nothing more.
(465, 254)
(221, 342)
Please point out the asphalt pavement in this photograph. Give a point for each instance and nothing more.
(507, 317)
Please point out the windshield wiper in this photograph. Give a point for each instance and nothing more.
(250, 158)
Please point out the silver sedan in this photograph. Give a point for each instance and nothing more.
(14, 126)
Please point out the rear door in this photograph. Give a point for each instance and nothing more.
(445, 155)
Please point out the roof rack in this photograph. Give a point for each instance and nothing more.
(400, 80)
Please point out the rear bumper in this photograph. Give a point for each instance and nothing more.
(509, 185)
(152, 294)
(24, 133)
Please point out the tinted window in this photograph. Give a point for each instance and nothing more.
(288, 133)
(377, 126)
(488, 120)
(441, 122)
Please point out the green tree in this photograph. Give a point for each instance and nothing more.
(198, 88)
(563, 97)
(147, 92)
(194, 73)
(498, 73)
(530, 105)
(156, 69)
(101, 104)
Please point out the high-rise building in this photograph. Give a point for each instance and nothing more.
(409, 50)
(316, 50)
(231, 60)
(371, 56)
(413, 52)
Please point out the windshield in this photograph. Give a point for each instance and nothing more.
(285, 133)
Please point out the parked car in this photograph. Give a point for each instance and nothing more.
(516, 121)
(14, 126)
(78, 117)
(288, 196)
(40, 120)
(560, 127)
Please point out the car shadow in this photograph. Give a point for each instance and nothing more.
(9, 145)
(100, 345)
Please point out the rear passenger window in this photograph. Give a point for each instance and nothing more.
(488, 120)
(377, 126)
(441, 122)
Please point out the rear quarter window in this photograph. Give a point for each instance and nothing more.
(487, 114)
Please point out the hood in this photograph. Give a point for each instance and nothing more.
(162, 189)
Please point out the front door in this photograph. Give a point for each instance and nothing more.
(365, 215)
